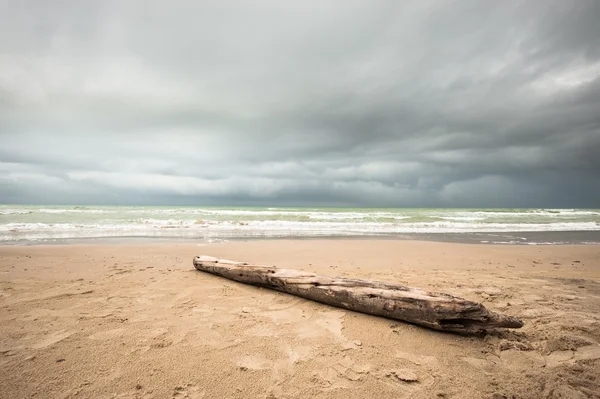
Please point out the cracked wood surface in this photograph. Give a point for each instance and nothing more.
(434, 310)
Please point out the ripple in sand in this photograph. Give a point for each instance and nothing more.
(52, 339)
(110, 334)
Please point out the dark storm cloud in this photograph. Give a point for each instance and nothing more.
(428, 103)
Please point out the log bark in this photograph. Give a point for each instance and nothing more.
(434, 310)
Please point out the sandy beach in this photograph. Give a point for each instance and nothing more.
(138, 321)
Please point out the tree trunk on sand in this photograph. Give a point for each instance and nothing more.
(429, 309)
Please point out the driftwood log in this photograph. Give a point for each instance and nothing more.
(429, 309)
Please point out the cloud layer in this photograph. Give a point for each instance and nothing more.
(361, 103)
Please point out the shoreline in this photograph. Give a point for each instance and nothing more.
(31, 225)
(482, 238)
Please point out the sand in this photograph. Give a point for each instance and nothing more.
(138, 321)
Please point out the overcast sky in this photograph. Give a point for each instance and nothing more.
(359, 103)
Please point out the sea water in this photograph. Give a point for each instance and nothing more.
(28, 223)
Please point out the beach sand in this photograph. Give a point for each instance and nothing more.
(138, 321)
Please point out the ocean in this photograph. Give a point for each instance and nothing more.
(49, 224)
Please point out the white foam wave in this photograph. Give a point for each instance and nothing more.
(187, 228)
(525, 213)
(44, 210)
(461, 218)
(14, 212)
(317, 214)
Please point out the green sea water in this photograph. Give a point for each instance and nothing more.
(41, 222)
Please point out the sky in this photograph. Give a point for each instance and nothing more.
(462, 103)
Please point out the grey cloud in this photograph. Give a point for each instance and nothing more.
(380, 103)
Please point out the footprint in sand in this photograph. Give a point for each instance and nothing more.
(284, 367)
(558, 358)
(190, 391)
(326, 323)
(298, 353)
(340, 374)
(348, 369)
(522, 361)
(490, 364)
(318, 325)
(590, 352)
(159, 338)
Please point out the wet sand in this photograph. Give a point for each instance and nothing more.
(138, 321)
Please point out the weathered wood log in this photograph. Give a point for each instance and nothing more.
(429, 309)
